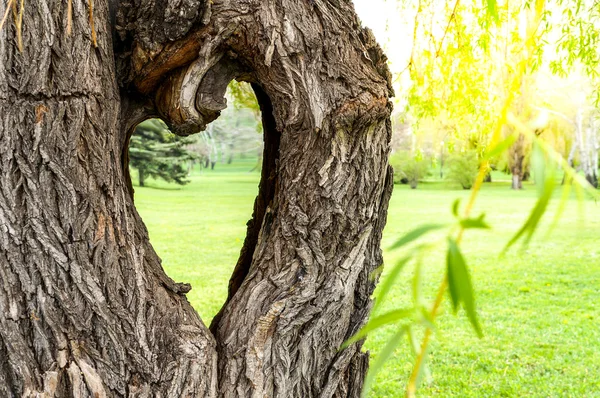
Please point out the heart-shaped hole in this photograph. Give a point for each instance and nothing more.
(198, 228)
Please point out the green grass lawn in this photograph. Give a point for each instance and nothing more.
(538, 307)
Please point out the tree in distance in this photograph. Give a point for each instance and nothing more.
(155, 152)
(463, 168)
(409, 168)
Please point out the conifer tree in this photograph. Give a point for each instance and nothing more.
(155, 152)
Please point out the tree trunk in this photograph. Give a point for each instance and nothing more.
(591, 169)
(442, 163)
(594, 146)
(517, 151)
(585, 141)
(85, 306)
(517, 157)
(570, 160)
(141, 177)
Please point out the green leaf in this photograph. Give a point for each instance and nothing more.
(415, 234)
(492, 9)
(532, 221)
(380, 321)
(470, 223)
(566, 192)
(376, 273)
(455, 207)
(538, 165)
(501, 147)
(417, 282)
(426, 319)
(389, 280)
(459, 283)
(412, 339)
(382, 357)
(546, 186)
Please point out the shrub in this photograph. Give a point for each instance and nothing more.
(409, 169)
(463, 168)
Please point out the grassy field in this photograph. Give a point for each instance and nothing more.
(538, 307)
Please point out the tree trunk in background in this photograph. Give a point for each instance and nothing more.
(86, 309)
(586, 143)
(442, 163)
(141, 177)
(516, 153)
(594, 147)
(591, 155)
(516, 159)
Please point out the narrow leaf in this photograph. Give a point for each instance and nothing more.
(389, 280)
(492, 9)
(380, 321)
(538, 165)
(546, 183)
(532, 222)
(417, 282)
(566, 192)
(455, 207)
(412, 339)
(382, 357)
(416, 234)
(426, 319)
(470, 223)
(501, 147)
(459, 283)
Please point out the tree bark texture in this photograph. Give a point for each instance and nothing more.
(86, 309)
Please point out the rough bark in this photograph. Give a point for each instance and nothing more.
(85, 307)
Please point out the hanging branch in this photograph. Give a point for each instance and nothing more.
(69, 17)
(437, 53)
(504, 115)
(91, 13)
(18, 15)
(8, 6)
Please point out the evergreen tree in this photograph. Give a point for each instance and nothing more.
(156, 152)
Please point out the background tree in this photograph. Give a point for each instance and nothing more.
(506, 40)
(463, 168)
(409, 168)
(235, 134)
(462, 64)
(155, 152)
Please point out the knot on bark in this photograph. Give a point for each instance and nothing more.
(193, 96)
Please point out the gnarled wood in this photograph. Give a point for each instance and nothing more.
(85, 307)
